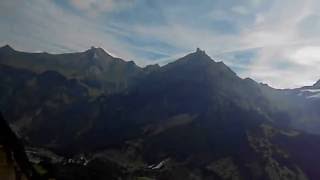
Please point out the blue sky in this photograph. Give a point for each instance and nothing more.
(272, 41)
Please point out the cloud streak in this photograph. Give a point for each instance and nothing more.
(95, 7)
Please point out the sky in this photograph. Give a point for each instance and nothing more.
(271, 41)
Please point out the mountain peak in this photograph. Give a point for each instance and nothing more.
(317, 84)
(195, 59)
(199, 56)
(7, 48)
(98, 53)
(198, 50)
(97, 49)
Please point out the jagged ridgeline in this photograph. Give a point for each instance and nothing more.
(94, 116)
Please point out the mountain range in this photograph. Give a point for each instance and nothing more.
(193, 118)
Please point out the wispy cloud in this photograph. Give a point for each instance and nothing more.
(95, 7)
(38, 25)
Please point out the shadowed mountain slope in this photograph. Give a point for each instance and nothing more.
(94, 67)
(192, 118)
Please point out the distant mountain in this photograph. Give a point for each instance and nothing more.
(94, 67)
(193, 118)
(317, 84)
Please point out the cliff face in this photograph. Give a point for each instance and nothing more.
(14, 164)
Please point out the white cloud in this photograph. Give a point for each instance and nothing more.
(285, 58)
(309, 55)
(240, 10)
(94, 7)
(47, 27)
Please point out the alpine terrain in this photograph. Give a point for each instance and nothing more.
(89, 115)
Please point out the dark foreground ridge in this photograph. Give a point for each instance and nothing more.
(14, 163)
